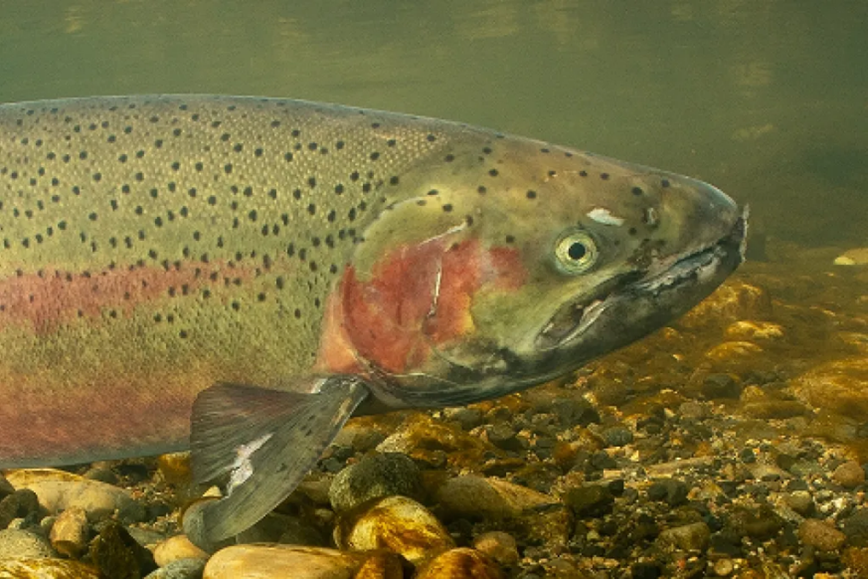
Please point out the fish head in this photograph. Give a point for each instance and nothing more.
(516, 262)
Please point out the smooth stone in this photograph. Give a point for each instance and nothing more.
(272, 561)
(462, 563)
(177, 548)
(692, 537)
(26, 568)
(801, 502)
(590, 500)
(750, 330)
(849, 475)
(70, 532)
(398, 524)
(851, 257)
(360, 437)
(837, 386)
(180, 569)
(58, 491)
(477, 497)
(498, 545)
(375, 477)
(424, 439)
(821, 535)
(733, 301)
(19, 544)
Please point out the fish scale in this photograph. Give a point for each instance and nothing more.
(239, 276)
(175, 229)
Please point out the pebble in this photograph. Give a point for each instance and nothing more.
(374, 477)
(821, 535)
(58, 491)
(70, 532)
(672, 491)
(117, 554)
(177, 548)
(266, 561)
(180, 569)
(17, 543)
(849, 475)
(692, 537)
(721, 386)
(590, 500)
(723, 567)
(25, 568)
(398, 524)
(855, 527)
(801, 502)
(487, 498)
(500, 546)
(463, 563)
(617, 436)
(851, 257)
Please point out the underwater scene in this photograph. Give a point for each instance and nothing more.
(401, 347)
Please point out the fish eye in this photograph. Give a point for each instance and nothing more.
(575, 252)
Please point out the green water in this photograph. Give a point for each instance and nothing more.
(767, 99)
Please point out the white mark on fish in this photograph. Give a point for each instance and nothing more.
(242, 469)
(651, 217)
(604, 216)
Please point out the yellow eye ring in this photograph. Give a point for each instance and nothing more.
(576, 252)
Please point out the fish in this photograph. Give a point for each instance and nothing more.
(241, 275)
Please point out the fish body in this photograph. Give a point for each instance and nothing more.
(274, 266)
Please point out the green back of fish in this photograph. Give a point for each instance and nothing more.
(150, 246)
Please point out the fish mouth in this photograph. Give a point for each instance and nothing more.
(699, 272)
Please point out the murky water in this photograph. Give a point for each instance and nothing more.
(768, 100)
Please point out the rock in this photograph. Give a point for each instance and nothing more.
(500, 546)
(476, 497)
(423, 439)
(504, 437)
(466, 417)
(175, 467)
(753, 331)
(617, 436)
(398, 524)
(590, 500)
(176, 548)
(461, 563)
(851, 257)
(720, 386)
(180, 569)
(801, 502)
(375, 477)
(692, 537)
(855, 527)
(118, 555)
(821, 535)
(724, 567)
(46, 569)
(849, 475)
(358, 436)
(672, 491)
(6, 487)
(857, 560)
(20, 503)
(837, 386)
(58, 491)
(266, 561)
(15, 544)
(70, 532)
(760, 523)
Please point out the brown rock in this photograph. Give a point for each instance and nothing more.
(175, 467)
(265, 561)
(849, 475)
(821, 535)
(398, 524)
(175, 548)
(499, 546)
(43, 568)
(461, 563)
(837, 386)
(477, 497)
(70, 532)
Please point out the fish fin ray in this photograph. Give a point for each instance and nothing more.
(266, 455)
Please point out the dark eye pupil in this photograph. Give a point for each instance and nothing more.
(577, 251)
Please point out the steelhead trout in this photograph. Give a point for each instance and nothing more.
(271, 267)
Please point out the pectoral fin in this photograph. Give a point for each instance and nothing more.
(266, 440)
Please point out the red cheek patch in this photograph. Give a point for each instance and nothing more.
(418, 297)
